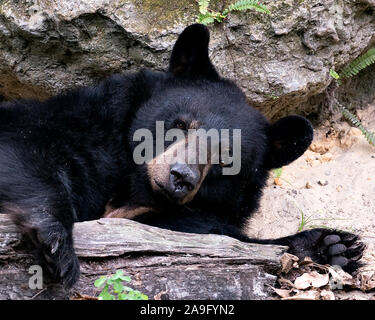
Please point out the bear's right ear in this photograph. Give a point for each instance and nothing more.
(190, 54)
(289, 138)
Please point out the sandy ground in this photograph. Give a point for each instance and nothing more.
(333, 184)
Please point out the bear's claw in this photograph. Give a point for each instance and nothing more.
(327, 246)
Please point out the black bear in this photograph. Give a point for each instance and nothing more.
(71, 158)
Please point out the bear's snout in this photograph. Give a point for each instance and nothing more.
(183, 179)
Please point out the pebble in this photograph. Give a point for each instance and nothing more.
(278, 182)
(315, 163)
(326, 157)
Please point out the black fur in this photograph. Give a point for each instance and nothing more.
(63, 160)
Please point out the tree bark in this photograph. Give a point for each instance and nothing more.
(162, 264)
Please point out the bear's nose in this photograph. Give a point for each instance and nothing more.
(183, 179)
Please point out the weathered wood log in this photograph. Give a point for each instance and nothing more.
(163, 264)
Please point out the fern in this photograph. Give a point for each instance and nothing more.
(203, 6)
(351, 70)
(334, 74)
(370, 136)
(243, 5)
(359, 64)
(207, 16)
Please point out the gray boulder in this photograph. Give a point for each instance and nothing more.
(281, 61)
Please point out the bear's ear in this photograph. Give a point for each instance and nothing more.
(288, 139)
(190, 54)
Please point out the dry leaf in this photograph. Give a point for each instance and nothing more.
(287, 261)
(160, 294)
(321, 147)
(326, 157)
(285, 282)
(327, 295)
(302, 282)
(79, 296)
(282, 292)
(313, 278)
(319, 280)
(305, 261)
(366, 281)
(137, 281)
(305, 295)
(339, 278)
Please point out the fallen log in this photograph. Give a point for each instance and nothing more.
(162, 264)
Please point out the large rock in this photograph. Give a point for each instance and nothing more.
(280, 61)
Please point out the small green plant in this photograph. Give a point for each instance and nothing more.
(351, 70)
(278, 172)
(306, 221)
(277, 176)
(334, 74)
(370, 136)
(359, 64)
(207, 16)
(272, 96)
(113, 288)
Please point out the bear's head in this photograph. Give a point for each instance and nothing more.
(241, 145)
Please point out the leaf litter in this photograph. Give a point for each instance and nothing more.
(307, 280)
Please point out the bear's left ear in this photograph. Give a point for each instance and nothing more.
(190, 54)
(288, 139)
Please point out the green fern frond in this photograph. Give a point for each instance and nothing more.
(359, 64)
(203, 5)
(242, 5)
(206, 18)
(334, 74)
(351, 70)
(370, 136)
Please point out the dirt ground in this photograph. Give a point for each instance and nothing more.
(332, 184)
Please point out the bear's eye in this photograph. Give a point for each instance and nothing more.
(180, 124)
